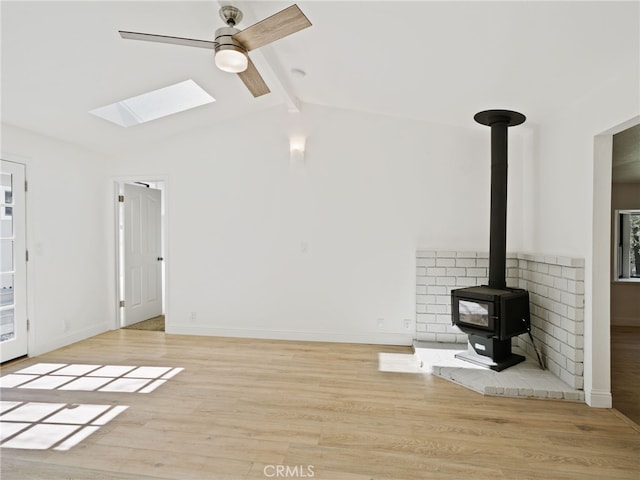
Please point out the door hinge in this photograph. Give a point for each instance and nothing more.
(26, 186)
(120, 198)
(26, 256)
(121, 303)
(28, 324)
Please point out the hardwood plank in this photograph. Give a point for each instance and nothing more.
(625, 371)
(242, 405)
(16, 468)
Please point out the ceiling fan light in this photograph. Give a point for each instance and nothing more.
(231, 60)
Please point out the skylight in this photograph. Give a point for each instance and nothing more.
(156, 104)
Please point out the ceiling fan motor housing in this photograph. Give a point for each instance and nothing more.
(224, 39)
(230, 55)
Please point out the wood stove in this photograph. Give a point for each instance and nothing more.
(492, 314)
(490, 317)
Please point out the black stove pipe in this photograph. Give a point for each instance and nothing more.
(499, 121)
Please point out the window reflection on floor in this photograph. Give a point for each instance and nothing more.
(398, 362)
(61, 426)
(40, 426)
(101, 378)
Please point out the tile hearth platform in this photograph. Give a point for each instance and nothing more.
(525, 380)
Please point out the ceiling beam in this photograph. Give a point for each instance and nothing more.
(267, 62)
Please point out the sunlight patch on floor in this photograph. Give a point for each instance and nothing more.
(82, 377)
(398, 362)
(60, 426)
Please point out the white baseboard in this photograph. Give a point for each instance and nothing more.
(374, 338)
(66, 339)
(598, 398)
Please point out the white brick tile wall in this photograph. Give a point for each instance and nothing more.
(556, 291)
(465, 262)
(445, 262)
(426, 262)
(557, 313)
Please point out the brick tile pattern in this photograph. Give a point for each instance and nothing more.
(556, 291)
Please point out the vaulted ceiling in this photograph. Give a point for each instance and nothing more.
(431, 61)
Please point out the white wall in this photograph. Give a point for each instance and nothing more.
(570, 204)
(371, 191)
(67, 237)
(320, 250)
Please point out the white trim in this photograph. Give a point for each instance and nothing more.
(22, 275)
(626, 280)
(373, 338)
(597, 338)
(598, 398)
(31, 311)
(116, 229)
(597, 342)
(119, 182)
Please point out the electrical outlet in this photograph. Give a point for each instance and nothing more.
(193, 317)
(407, 323)
(380, 323)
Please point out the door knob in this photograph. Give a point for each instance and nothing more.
(160, 259)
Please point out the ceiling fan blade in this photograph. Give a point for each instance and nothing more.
(253, 80)
(149, 37)
(277, 26)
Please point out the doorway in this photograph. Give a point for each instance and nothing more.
(625, 272)
(140, 246)
(597, 365)
(13, 262)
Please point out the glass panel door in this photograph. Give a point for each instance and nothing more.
(13, 328)
(7, 324)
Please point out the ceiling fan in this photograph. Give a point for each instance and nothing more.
(232, 45)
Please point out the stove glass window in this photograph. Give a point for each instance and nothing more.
(474, 313)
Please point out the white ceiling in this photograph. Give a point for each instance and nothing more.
(432, 61)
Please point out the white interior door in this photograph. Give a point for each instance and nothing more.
(142, 253)
(13, 262)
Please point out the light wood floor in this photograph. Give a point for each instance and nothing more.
(625, 370)
(241, 406)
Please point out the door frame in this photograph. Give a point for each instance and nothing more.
(22, 161)
(597, 339)
(161, 183)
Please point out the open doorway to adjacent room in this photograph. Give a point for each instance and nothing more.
(625, 284)
(141, 273)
